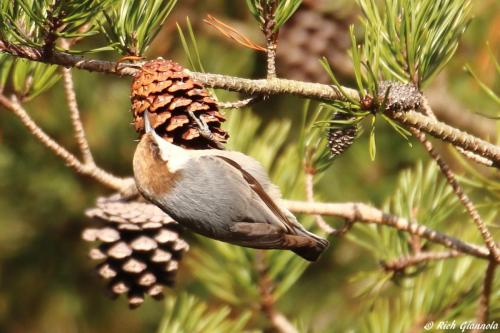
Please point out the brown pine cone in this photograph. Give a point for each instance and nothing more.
(139, 247)
(309, 35)
(169, 94)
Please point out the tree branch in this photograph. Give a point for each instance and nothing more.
(484, 301)
(268, 13)
(309, 187)
(449, 134)
(267, 301)
(363, 213)
(80, 136)
(427, 110)
(402, 263)
(451, 111)
(462, 196)
(122, 185)
(269, 87)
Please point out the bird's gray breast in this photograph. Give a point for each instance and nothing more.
(210, 196)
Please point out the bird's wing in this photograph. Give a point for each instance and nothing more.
(255, 175)
(257, 188)
(251, 166)
(219, 194)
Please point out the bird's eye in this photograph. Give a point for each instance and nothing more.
(155, 149)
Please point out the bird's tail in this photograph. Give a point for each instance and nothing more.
(312, 253)
(308, 245)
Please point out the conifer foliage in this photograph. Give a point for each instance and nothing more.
(424, 251)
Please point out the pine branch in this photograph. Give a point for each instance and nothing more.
(453, 112)
(449, 134)
(267, 302)
(462, 196)
(309, 187)
(402, 263)
(475, 157)
(427, 110)
(122, 185)
(271, 34)
(53, 25)
(360, 212)
(275, 86)
(484, 301)
(80, 136)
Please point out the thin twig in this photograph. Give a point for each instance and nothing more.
(267, 300)
(119, 184)
(404, 262)
(309, 186)
(462, 196)
(270, 87)
(427, 110)
(80, 136)
(450, 134)
(475, 157)
(484, 302)
(363, 213)
(457, 189)
(268, 28)
(53, 24)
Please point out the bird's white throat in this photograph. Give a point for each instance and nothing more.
(175, 156)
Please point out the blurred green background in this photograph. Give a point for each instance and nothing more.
(47, 282)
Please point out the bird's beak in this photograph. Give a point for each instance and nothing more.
(149, 129)
(147, 125)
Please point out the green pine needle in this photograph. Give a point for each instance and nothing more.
(132, 25)
(284, 10)
(187, 314)
(414, 39)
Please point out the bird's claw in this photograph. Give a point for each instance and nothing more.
(205, 130)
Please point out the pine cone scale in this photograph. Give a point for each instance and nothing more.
(169, 94)
(138, 248)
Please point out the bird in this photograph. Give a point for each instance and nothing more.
(221, 194)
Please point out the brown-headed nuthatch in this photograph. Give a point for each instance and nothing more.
(224, 195)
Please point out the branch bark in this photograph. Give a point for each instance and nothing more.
(449, 134)
(363, 213)
(269, 87)
(350, 211)
(309, 187)
(267, 300)
(462, 196)
(122, 185)
(484, 301)
(74, 111)
(418, 258)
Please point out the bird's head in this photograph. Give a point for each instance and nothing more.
(151, 142)
(151, 173)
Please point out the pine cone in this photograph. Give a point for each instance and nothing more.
(168, 93)
(342, 137)
(400, 96)
(139, 248)
(310, 35)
